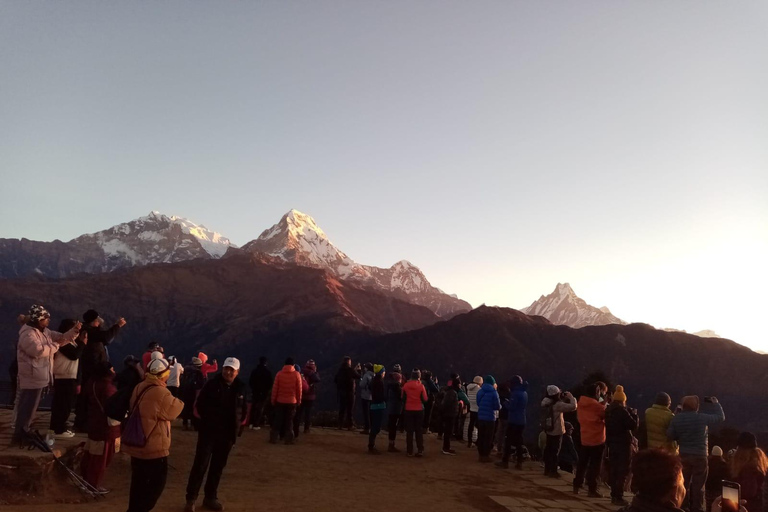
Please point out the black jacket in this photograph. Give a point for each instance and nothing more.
(619, 425)
(95, 352)
(346, 378)
(222, 408)
(260, 382)
(378, 390)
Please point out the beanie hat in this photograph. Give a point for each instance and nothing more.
(489, 380)
(37, 312)
(157, 366)
(747, 441)
(553, 390)
(663, 399)
(289, 361)
(396, 368)
(377, 369)
(717, 451)
(478, 380)
(618, 395)
(297, 367)
(202, 356)
(311, 364)
(196, 361)
(690, 403)
(90, 315)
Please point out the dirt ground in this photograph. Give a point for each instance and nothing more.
(327, 470)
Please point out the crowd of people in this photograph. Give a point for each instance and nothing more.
(132, 411)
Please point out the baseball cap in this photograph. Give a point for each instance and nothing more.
(233, 363)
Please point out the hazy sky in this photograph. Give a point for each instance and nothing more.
(500, 146)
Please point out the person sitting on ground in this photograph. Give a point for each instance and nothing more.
(223, 411)
(35, 351)
(620, 424)
(103, 432)
(749, 467)
(718, 471)
(286, 395)
(414, 396)
(378, 406)
(591, 416)
(488, 404)
(657, 420)
(690, 429)
(568, 457)
(149, 463)
(553, 406)
(65, 382)
(394, 386)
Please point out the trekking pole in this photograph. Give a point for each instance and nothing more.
(39, 442)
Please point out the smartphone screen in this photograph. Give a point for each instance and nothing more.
(731, 496)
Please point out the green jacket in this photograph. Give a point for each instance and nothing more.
(657, 419)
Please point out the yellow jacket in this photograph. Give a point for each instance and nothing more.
(158, 408)
(657, 419)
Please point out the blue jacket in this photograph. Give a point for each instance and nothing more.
(487, 403)
(518, 401)
(691, 430)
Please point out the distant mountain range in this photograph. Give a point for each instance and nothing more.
(564, 307)
(157, 238)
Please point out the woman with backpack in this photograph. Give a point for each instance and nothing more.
(147, 436)
(552, 408)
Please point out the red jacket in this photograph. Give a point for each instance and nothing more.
(287, 387)
(415, 395)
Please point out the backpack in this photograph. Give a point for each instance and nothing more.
(449, 402)
(133, 434)
(548, 417)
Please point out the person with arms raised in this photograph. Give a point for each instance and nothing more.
(65, 379)
(553, 406)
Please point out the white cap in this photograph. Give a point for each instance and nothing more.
(157, 366)
(553, 390)
(232, 362)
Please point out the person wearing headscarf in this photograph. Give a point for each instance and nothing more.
(378, 406)
(35, 352)
(149, 463)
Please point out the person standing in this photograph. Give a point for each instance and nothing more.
(450, 406)
(394, 386)
(518, 402)
(365, 396)
(94, 355)
(488, 403)
(286, 395)
(149, 463)
(223, 411)
(207, 368)
(568, 458)
(146, 357)
(591, 416)
(191, 385)
(553, 406)
(414, 396)
(620, 424)
(65, 366)
(432, 390)
(345, 380)
(304, 390)
(690, 429)
(378, 406)
(260, 382)
(103, 432)
(719, 470)
(174, 381)
(35, 352)
(657, 420)
(311, 375)
(472, 389)
(749, 467)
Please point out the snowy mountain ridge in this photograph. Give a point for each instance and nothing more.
(564, 307)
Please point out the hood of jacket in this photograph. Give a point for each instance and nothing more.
(288, 369)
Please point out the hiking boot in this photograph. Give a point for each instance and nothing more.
(190, 506)
(373, 451)
(502, 464)
(392, 448)
(594, 494)
(449, 452)
(619, 501)
(212, 504)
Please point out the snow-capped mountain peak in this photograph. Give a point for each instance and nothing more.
(564, 307)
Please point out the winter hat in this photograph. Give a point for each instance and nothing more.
(297, 367)
(397, 368)
(478, 380)
(690, 403)
(378, 368)
(489, 380)
(37, 312)
(157, 366)
(156, 355)
(90, 315)
(196, 361)
(202, 357)
(516, 380)
(618, 395)
(311, 364)
(233, 362)
(747, 441)
(368, 366)
(553, 390)
(130, 360)
(289, 361)
(717, 451)
(663, 399)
